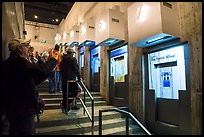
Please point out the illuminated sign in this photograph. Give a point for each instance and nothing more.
(118, 63)
(43, 41)
(167, 72)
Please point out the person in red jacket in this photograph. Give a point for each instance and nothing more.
(20, 78)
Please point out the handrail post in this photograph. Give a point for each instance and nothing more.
(67, 97)
(100, 123)
(127, 124)
(92, 117)
(84, 100)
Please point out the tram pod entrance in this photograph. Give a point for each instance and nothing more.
(81, 60)
(95, 69)
(167, 96)
(118, 76)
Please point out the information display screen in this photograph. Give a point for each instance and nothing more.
(81, 56)
(166, 70)
(118, 63)
(95, 59)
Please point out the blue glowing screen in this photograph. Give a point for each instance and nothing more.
(118, 63)
(95, 59)
(167, 72)
(81, 56)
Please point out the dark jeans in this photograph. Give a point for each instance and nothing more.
(73, 87)
(21, 125)
(54, 82)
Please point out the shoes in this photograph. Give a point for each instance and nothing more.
(75, 108)
(68, 110)
(46, 80)
(63, 109)
(59, 91)
(51, 92)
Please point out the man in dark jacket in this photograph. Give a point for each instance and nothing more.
(20, 79)
(69, 70)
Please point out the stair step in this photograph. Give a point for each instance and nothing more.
(56, 117)
(113, 130)
(76, 128)
(115, 126)
(55, 95)
(59, 99)
(88, 104)
(54, 122)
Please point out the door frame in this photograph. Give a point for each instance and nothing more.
(154, 106)
(117, 101)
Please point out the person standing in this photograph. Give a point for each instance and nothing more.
(20, 78)
(54, 78)
(69, 70)
(31, 56)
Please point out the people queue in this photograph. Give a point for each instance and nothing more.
(23, 71)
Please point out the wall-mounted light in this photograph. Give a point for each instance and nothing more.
(101, 25)
(56, 20)
(56, 37)
(35, 16)
(72, 33)
(64, 35)
(83, 30)
(59, 37)
(142, 12)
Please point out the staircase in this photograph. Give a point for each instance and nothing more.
(54, 122)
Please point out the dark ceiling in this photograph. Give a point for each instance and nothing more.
(47, 12)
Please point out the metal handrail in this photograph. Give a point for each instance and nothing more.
(128, 114)
(83, 102)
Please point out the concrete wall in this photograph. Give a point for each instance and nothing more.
(43, 32)
(191, 27)
(12, 24)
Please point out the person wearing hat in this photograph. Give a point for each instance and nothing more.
(69, 70)
(20, 78)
